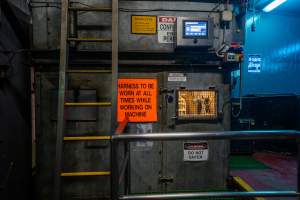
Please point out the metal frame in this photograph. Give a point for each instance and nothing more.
(203, 118)
(68, 32)
(220, 135)
(61, 98)
(182, 41)
(195, 37)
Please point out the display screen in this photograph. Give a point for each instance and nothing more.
(194, 29)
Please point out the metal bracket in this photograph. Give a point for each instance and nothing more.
(164, 179)
(165, 90)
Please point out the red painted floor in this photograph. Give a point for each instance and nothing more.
(281, 175)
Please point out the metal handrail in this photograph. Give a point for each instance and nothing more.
(213, 135)
(207, 135)
(212, 195)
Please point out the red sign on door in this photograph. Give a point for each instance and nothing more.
(137, 100)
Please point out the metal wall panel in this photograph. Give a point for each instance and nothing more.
(145, 160)
(149, 161)
(158, 158)
(165, 159)
(46, 24)
(78, 155)
(198, 175)
(276, 39)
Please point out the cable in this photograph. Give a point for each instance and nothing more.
(161, 9)
(224, 104)
(241, 95)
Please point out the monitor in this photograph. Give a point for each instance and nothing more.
(194, 32)
(195, 29)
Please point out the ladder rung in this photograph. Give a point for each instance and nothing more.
(78, 71)
(88, 104)
(103, 173)
(84, 138)
(91, 9)
(89, 40)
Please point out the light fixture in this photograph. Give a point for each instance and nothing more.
(273, 5)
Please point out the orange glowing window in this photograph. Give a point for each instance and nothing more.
(197, 105)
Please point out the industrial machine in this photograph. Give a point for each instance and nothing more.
(190, 94)
(191, 102)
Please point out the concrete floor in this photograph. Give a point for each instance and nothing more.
(281, 175)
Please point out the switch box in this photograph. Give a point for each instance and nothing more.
(226, 16)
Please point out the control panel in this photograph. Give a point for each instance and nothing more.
(194, 32)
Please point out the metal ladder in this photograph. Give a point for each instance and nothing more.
(64, 71)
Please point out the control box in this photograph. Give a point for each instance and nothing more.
(194, 32)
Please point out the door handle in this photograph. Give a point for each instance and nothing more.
(166, 179)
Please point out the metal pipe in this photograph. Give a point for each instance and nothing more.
(33, 117)
(114, 170)
(62, 85)
(212, 194)
(231, 135)
(123, 167)
(114, 61)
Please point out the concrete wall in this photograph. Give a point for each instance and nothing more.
(15, 160)
(22, 5)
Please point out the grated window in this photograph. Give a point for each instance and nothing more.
(197, 105)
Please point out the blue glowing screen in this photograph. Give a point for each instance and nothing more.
(195, 28)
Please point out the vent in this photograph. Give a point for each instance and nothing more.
(196, 105)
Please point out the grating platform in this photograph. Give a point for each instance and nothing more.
(280, 174)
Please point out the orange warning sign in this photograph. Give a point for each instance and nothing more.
(137, 100)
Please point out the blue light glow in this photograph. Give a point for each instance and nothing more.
(273, 5)
(252, 20)
(289, 50)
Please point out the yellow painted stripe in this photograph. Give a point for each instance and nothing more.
(80, 138)
(245, 186)
(88, 71)
(104, 173)
(89, 40)
(88, 104)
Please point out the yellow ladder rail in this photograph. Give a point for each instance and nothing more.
(72, 174)
(84, 138)
(82, 104)
(88, 71)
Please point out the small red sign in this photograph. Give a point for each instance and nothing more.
(166, 19)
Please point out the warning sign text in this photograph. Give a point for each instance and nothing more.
(137, 100)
